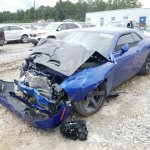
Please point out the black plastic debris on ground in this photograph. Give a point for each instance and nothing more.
(74, 130)
(113, 94)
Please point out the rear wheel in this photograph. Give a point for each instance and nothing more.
(24, 39)
(92, 103)
(146, 67)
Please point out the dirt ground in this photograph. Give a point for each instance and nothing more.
(122, 124)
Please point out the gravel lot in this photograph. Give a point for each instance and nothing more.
(122, 124)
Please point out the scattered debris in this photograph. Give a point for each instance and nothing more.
(113, 94)
(74, 130)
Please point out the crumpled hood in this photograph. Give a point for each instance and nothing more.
(60, 56)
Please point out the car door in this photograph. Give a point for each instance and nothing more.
(15, 33)
(127, 62)
(141, 54)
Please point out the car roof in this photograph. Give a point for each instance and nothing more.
(110, 30)
(59, 23)
(62, 22)
(116, 31)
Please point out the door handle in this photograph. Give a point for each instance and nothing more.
(138, 51)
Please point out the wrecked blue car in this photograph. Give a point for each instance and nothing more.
(77, 74)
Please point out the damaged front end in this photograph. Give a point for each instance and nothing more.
(51, 80)
(35, 105)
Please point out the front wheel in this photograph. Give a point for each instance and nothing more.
(92, 103)
(24, 39)
(146, 67)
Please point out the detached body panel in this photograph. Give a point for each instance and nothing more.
(29, 113)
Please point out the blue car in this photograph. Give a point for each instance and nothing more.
(78, 73)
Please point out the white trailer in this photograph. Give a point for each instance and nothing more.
(103, 18)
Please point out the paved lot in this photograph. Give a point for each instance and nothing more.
(122, 124)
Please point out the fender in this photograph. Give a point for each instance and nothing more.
(79, 85)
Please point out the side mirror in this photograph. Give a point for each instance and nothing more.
(59, 29)
(124, 48)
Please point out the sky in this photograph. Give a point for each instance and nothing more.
(14, 5)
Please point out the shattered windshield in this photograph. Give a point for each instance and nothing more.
(100, 42)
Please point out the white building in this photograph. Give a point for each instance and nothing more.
(139, 15)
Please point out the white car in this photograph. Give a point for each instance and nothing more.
(15, 33)
(51, 30)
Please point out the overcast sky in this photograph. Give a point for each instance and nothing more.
(13, 5)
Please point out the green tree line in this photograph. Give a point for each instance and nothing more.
(66, 10)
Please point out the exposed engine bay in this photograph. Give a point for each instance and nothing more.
(53, 94)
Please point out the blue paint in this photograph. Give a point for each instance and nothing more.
(80, 84)
(35, 93)
(48, 123)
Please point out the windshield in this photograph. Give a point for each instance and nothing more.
(100, 42)
(52, 26)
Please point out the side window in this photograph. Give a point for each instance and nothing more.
(62, 27)
(125, 39)
(15, 28)
(71, 26)
(6, 28)
(136, 37)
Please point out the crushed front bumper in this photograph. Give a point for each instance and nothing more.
(33, 115)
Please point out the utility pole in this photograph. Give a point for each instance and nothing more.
(34, 11)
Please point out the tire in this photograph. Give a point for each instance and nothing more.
(92, 103)
(146, 67)
(24, 39)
